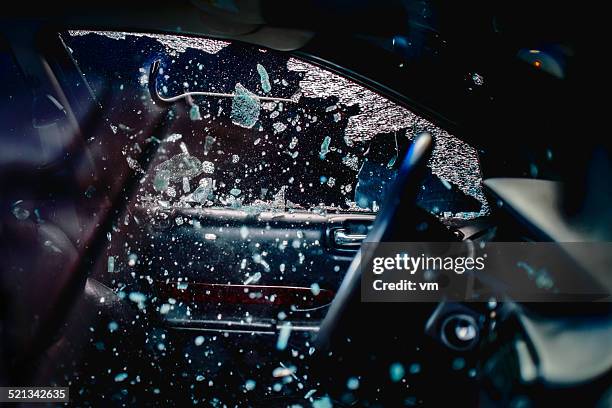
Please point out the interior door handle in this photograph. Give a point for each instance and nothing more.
(342, 239)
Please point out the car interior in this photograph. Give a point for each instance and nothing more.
(186, 187)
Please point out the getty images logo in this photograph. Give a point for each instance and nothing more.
(411, 264)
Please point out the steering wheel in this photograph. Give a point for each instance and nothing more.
(396, 222)
(363, 340)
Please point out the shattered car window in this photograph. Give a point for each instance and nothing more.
(205, 227)
(286, 134)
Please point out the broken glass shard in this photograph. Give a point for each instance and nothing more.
(253, 278)
(171, 192)
(265, 79)
(161, 180)
(324, 147)
(194, 113)
(208, 167)
(208, 142)
(111, 264)
(352, 383)
(202, 193)
(279, 127)
(173, 138)
(245, 107)
(179, 166)
(279, 198)
(396, 372)
(294, 142)
(351, 161)
(446, 184)
(244, 232)
(121, 377)
(477, 79)
(184, 147)
(137, 297)
(249, 385)
(283, 336)
(282, 371)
